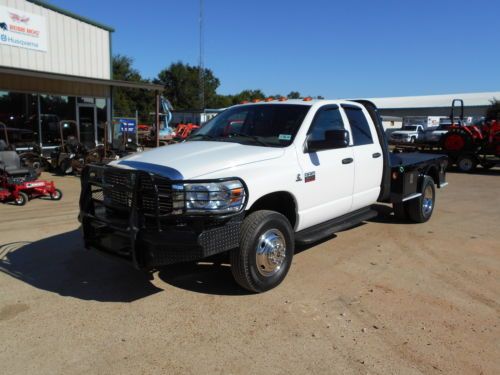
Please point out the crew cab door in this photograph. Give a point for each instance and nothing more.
(368, 158)
(327, 179)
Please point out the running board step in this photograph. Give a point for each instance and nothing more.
(328, 228)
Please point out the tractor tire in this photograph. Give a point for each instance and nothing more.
(66, 166)
(420, 209)
(22, 199)
(266, 250)
(456, 140)
(466, 163)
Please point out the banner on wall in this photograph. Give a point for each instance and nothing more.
(22, 29)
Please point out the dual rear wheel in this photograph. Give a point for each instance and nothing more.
(418, 210)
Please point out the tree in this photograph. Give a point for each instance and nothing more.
(182, 86)
(294, 95)
(127, 101)
(248, 95)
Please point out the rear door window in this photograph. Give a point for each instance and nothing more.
(360, 128)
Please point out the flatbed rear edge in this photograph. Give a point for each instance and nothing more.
(408, 171)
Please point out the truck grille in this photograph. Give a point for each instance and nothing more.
(154, 195)
(148, 194)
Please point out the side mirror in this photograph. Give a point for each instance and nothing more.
(333, 139)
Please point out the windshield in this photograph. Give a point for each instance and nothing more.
(272, 125)
(411, 128)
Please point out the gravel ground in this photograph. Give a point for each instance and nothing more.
(381, 298)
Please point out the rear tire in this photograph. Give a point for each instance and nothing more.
(57, 195)
(420, 209)
(265, 253)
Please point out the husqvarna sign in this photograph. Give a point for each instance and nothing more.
(22, 29)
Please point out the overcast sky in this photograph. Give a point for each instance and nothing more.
(318, 47)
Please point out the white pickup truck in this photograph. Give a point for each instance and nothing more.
(408, 134)
(254, 181)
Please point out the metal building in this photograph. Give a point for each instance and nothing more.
(475, 104)
(55, 67)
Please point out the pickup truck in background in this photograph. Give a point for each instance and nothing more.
(408, 134)
(291, 171)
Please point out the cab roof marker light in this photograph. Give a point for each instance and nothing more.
(256, 100)
(307, 99)
(283, 99)
(270, 99)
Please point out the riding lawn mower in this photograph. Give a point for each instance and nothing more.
(19, 184)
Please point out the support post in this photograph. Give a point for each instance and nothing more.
(157, 117)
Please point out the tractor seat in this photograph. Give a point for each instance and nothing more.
(11, 163)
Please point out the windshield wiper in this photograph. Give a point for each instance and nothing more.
(248, 136)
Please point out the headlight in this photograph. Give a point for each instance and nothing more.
(214, 197)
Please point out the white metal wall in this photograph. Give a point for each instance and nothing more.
(73, 47)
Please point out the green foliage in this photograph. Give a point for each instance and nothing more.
(127, 101)
(294, 95)
(181, 82)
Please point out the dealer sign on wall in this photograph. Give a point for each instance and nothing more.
(22, 29)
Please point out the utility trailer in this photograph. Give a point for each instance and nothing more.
(465, 145)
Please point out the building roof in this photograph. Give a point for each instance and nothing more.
(77, 79)
(433, 101)
(71, 14)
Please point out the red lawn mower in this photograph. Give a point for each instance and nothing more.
(18, 184)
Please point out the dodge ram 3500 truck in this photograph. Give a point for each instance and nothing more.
(254, 181)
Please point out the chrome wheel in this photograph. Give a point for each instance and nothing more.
(271, 252)
(427, 201)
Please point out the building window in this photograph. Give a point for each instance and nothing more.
(18, 112)
(57, 114)
(102, 118)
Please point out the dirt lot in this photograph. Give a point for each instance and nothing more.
(382, 298)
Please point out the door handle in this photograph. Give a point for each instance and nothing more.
(376, 155)
(347, 160)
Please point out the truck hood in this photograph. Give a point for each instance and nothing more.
(190, 160)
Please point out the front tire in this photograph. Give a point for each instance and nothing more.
(420, 209)
(21, 199)
(265, 253)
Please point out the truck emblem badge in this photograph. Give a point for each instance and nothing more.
(298, 178)
(309, 177)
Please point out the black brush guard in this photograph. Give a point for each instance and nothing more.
(139, 217)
